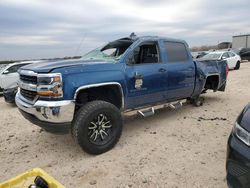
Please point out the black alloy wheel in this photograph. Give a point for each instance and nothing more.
(97, 126)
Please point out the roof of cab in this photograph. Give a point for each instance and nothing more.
(161, 38)
(143, 38)
(146, 38)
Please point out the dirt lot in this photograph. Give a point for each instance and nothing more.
(174, 148)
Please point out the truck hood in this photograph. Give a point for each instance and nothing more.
(46, 67)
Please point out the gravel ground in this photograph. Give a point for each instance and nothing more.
(174, 148)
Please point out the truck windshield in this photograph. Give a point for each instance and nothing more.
(110, 52)
(98, 54)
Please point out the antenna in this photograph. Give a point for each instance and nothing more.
(80, 44)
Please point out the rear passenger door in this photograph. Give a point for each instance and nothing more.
(180, 70)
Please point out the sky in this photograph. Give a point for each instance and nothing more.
(31, 29)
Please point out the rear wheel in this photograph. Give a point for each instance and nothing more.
(97, 127)
(196, 101)
(237, 67)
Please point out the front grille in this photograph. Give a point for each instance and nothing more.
(28, 79)
(30, 95)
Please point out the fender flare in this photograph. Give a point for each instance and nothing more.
(100, 85)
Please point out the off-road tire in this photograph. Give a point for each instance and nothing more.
(197, 101)
(84, 118)
(237, 67)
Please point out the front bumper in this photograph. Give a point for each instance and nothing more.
(238, 163)
(48, 114)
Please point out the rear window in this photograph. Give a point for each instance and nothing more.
(176, 52)
(231, 54)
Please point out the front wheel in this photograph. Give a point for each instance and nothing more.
(97, 126)
(237, 67)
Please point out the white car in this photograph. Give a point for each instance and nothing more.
(233, 60)
(9, 75)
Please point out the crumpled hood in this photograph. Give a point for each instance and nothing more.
(48, 66)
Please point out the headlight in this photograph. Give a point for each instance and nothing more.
(50, 85)
(242, 134)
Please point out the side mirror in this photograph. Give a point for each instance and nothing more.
(223, 58)
(5, 72)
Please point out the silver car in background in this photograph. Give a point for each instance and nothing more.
(9, 75)
(233, 60)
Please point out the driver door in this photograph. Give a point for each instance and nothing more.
(146, 76)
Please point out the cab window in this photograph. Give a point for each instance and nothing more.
(176, 52)
(146, 53)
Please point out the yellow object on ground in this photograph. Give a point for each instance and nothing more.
(26, 179)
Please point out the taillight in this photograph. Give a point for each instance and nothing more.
(227, 69)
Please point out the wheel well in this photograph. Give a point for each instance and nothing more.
(212, 82)
(109, 93)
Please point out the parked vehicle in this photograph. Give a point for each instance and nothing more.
(233, 60)
(10, 93)
(244, 53)
(238, 152)
(2, 66)
(88, 95)
(9, 75)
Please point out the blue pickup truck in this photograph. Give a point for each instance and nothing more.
(88, 96)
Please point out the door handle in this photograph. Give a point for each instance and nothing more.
(162, 70)
(138, 75)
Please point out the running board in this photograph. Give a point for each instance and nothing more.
(147, 112)
(176, 105)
